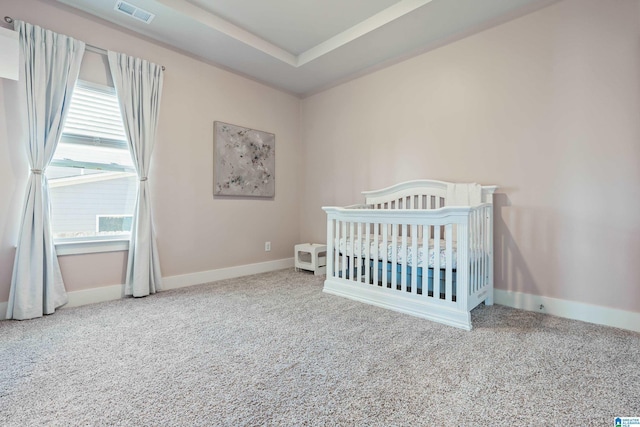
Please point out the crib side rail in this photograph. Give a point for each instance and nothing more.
(439, 216)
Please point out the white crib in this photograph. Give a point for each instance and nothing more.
(423, 248)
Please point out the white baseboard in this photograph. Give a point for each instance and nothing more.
(190, 279)
(114, 292)
(570, 309)
(94, 295)
(83, 297)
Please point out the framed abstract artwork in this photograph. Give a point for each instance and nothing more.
(244, 161)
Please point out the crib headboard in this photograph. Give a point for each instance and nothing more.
(429, 194)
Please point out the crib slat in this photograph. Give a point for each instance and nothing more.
(449, 256)
(375, 258)
(490, 272)
(470, 221)
(485, 249)
(425, 261)
(359, 253)
(478, 249)
(473, 247)
(367, 255)
(345, 256)
(483, 221)
(436, 262)
(462, 279)
(394, 256)
(489, 245)
(482, 248)
(414, 259)
(338, 250)
(478, 255)
(405, 259)
(352, 240)
(385, 254)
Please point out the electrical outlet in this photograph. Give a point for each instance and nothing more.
(267, 246)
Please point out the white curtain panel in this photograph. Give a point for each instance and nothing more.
(50, 66)
(138, 85)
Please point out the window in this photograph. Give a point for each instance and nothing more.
(92, 180)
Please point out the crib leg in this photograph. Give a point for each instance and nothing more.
(489, 299)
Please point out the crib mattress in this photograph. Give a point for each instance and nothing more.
(346, 248)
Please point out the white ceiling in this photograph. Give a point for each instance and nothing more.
(303, 46)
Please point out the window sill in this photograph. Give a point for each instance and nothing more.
(91, 246)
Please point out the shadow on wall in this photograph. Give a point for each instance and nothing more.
(511, 270)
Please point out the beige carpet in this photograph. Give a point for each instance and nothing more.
(272, 349)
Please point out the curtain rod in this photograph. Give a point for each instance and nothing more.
(89, 47)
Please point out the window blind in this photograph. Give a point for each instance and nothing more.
(94, 117)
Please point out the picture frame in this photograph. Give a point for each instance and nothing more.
(244, 161)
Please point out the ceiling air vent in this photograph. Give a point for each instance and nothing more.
(134, 12)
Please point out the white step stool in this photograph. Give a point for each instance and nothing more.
(311, 257)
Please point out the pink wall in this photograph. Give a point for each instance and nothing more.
(195, 232)
(545, 106)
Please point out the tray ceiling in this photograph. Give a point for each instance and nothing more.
(303, 46)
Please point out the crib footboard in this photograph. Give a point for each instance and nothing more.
(435, 264)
